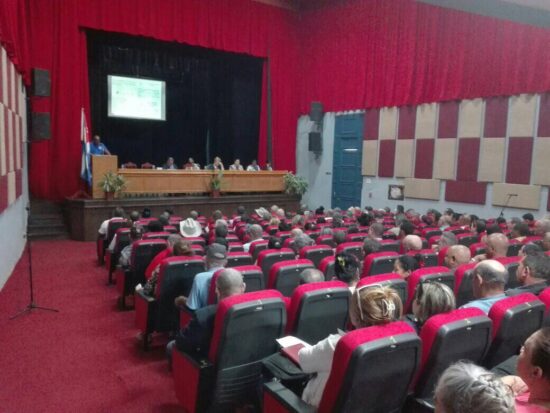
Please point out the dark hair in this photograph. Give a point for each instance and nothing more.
(118, 212)
(134, 216)
(541, 352)
(346, 267)
(493, 229)
(221, 231)
(531, 249)
(241, 210)
(528, 217)
(522, 229)
(501, 220)
(274, 243)
(154, 226)
(135, 233)
(370, 246)
(320, 210)
(182, 247)
(310, 226)
(353, 229)
(481, 226)
(539, 264)
(364, 219)
(407, 227)
(339, 237)
(146, 213)
(410, 263)
(456, 216)
(400, 209)
(321, 220)
(283, 226)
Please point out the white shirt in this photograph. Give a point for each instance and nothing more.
(317, 359)
(236, 168)
(246, 247)
(103, 227)
(252, 168)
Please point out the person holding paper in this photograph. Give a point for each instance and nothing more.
(369, 306)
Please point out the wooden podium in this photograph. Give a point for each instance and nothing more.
(101, 164)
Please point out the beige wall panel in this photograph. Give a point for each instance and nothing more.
(469, 120)
(522, 115)
(541, 162)
(491, 160)
(422, 188)
(445, 158)
(426, 121)
(11, 187)
(404, 150)
(388, 123)
(370, 157)
(3, 137)
(528, 196)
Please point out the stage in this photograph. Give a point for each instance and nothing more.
(84, 216)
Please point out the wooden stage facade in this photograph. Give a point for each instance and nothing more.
(84, 216)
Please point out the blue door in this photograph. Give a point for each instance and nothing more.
(347, 180)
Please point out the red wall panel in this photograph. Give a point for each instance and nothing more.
(423, 167)
(407, 122)
(386, 161)
(372, 120)
(468, 159)
(468, 192)
(18, 183)
(448, 120)
(3, 192)
(496, 115)
(520, 152)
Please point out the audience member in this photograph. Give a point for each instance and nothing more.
(533, 275)
(430, 298)
(146, 213)
(126, 253)
(530, 249)
(457, 255)
(274, 243)
(496, 247)
(466, 388)
(346, 269)
(411, 243)
(301, 241)
(195, 338)
(216, 258)
(370, 246)
(406, 228)
(189, 228)
(154, 226)
(171, 241)
(520, 231)
(169, 164)
(368, 307)
(118, 212)
(255, 233)
(339, 237)
(488, 282)
(216, 165)
(404, 265)
(446, 239)
(542, 226)
(376, 231)
(529, 219)
(311, 275)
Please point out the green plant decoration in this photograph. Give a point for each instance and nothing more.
(295, 185)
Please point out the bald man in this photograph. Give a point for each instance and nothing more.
(457, 255)
(542, 226)
(497, 247)
(488, 282)
(411, 243)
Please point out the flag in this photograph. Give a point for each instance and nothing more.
(85, 172)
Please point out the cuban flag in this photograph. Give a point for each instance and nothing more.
(85, 172)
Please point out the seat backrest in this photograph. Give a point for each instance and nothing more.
(463, 334)
(379, 263)
(429, 257)
(122, 239)
(317, 310)
(252, 276)
(353, 248)
(463, 283)
(370, 362)
(196, 240)
(326, 240)
(511, 264)
(267, 258)
(235, 247)
(245, 329)
(176, 275)
(113, 225)
(143, 252)
(156, 235)
(236, 259)
(327, 267)
(514, 320)
(513, 248)
(430, 274)
(466, 239)
(387, 280)
(456, 230)
(544, 296)
(429, 232)
(390, 245)
(256, 247)
(284, 276)
(316, 253)
(356, 237)
(478, 248)
(441, 255)
(212, 298)
(283, 235)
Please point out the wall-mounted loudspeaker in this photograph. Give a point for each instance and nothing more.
(40, 126)
(316, 112)
(41, 84)
(315, 143)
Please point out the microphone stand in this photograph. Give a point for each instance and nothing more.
(506, 204)
(32, 305)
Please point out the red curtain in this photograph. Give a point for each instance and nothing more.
(58, 44)
(14, 34)
(374, 53)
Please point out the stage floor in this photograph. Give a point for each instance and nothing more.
(84, 216)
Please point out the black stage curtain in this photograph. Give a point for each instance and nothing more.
(212, 100)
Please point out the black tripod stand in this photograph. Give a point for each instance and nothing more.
(510, 196)
(31, 306)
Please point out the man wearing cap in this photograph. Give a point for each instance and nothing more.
(216, 258)
(190, 228)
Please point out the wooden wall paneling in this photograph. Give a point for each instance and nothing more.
(528, 196)
(370, 155)
(404, 152)
(470, 119)
(422, 188)
(491, 160)
(445, 158)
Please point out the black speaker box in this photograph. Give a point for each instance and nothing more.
(315, 143)
(40, 126)
(41, 84)
(316, 112)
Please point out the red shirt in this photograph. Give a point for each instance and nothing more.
(523, 406)
(156, 261)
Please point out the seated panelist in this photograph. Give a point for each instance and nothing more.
(169, 164)
(253, 166)
(191, 165)
(236, 166)
(217, 165)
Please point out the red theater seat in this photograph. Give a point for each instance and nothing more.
(317, 310)
(245, 329)
(156, 235)
(353, 248)
(429, 232)
(316, 253)
(356, 237)
(379, 263)
(387, 280)
(368, 362)
(256, 247)
(441, 256)
(237, 259)
(267, 258)
(478, 248)
(390, 245)
(466, 239)
(545, 298)
(463, 283)
(102, 243)
(428, 256)
(513, 248)
(326, 240)
(111, 258)
(463, 334)
(327, 267)
(423, 275)
(196, 241)
(514, 320)
(284, 276)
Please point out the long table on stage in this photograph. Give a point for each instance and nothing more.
(179, 181)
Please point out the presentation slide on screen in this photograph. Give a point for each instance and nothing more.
(130, 97)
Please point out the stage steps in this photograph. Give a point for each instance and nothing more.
(46, 220)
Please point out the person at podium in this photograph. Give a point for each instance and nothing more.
(97, 148)
(217, 165)
(169, 164)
